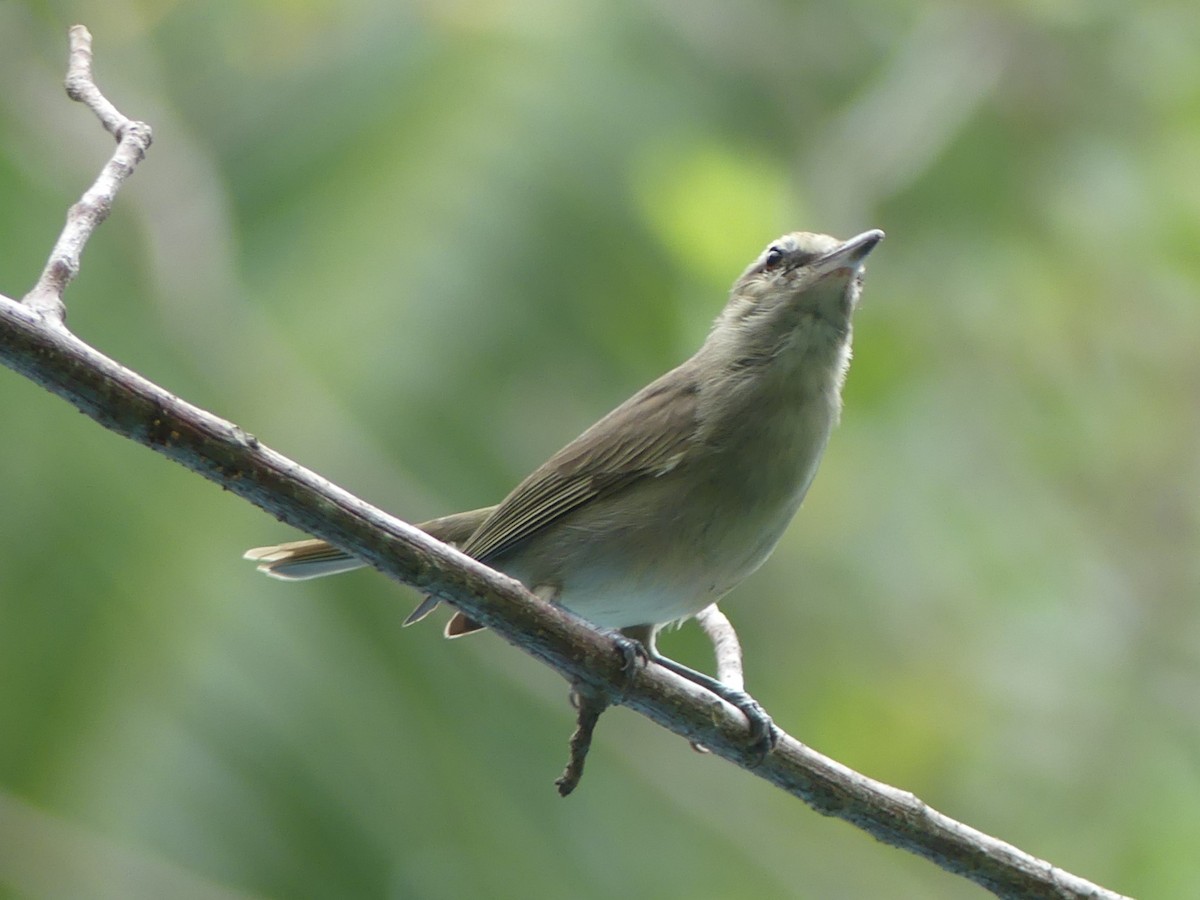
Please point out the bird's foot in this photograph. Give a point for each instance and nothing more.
(633, 653)
(763, 733)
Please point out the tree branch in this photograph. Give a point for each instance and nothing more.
(34, 342)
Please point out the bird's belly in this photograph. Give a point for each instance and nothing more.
(608, 606)
(664, 565)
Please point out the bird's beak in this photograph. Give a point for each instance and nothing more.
(849, 255)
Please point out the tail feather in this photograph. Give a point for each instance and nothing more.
(312, 558)
(460, 625)
(301, 560)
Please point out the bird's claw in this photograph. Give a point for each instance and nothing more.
(633, 652)
(763, 733)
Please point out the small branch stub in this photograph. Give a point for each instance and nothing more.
(589, 705)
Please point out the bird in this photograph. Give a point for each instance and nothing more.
(674, 497)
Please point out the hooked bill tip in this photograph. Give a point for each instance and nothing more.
(866, 241)
(850, 254)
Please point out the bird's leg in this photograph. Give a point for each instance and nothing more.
(729, 665)
(762, 727)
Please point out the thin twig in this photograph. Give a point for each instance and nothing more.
(38, 347)
(726, 646)
(81, 85)
(133, 139)
(589, 705)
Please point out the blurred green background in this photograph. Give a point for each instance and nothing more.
(418, 246)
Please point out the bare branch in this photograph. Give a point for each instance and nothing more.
(34, 343)
(133, 139)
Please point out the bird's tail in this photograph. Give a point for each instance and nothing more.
(312, 558)
(301, 560)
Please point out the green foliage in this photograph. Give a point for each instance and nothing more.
(419, 246)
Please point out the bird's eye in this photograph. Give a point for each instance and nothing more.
(773, 258)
